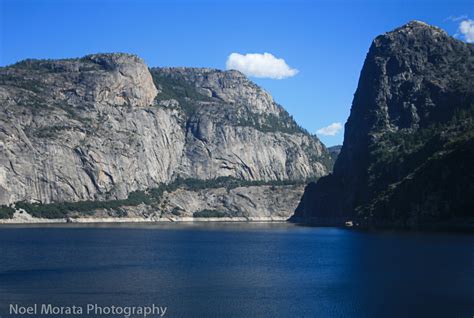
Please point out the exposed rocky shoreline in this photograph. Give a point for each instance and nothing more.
(25, 218)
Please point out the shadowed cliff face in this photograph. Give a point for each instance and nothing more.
(413, 108)
(103, 126)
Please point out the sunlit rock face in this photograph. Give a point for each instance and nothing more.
(105, 125)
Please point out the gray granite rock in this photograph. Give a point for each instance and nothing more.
(101, 127)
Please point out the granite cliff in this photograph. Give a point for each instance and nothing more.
(334, 152)
(407, 155)
(106, 128)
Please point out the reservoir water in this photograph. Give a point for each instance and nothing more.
(238, 270)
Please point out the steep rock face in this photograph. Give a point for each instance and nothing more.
(231, 87)
(98, 128)
(110, 79)
(234, 128)
(246, 202)
(82, 129)
(411, 114)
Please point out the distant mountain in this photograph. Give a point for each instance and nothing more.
(334, 152)
(105, 127)
(408, 153)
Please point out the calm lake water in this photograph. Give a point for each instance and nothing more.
(239, 270)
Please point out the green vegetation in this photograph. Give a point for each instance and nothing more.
(398, 153)
(325, 159)
(225, 182)
(270, 122)
(20, 82)
(55, 66)
(176, 87)
(50, 131)
(149, 197)
(64, 209)
(229, 183)
(70, 111)
(176, 211)
(209, 214)
(35, 107)
(6, 212)
(31, 65)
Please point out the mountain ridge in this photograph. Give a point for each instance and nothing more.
(106, 127)
(414, 90)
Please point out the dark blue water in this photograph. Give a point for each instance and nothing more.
(240, 270)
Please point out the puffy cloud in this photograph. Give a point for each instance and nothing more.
(466, 28)
(260, 65)
(330, 130)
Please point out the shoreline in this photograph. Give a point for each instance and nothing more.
(19, 221)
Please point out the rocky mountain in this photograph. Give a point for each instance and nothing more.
(106, 128)
(407, 158)
(234, 128)
(334, 152)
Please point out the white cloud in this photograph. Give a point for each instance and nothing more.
(331, 130)
(260, 65)
(466, 28)
(455, 18)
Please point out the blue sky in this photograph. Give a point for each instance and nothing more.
(326, 41)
